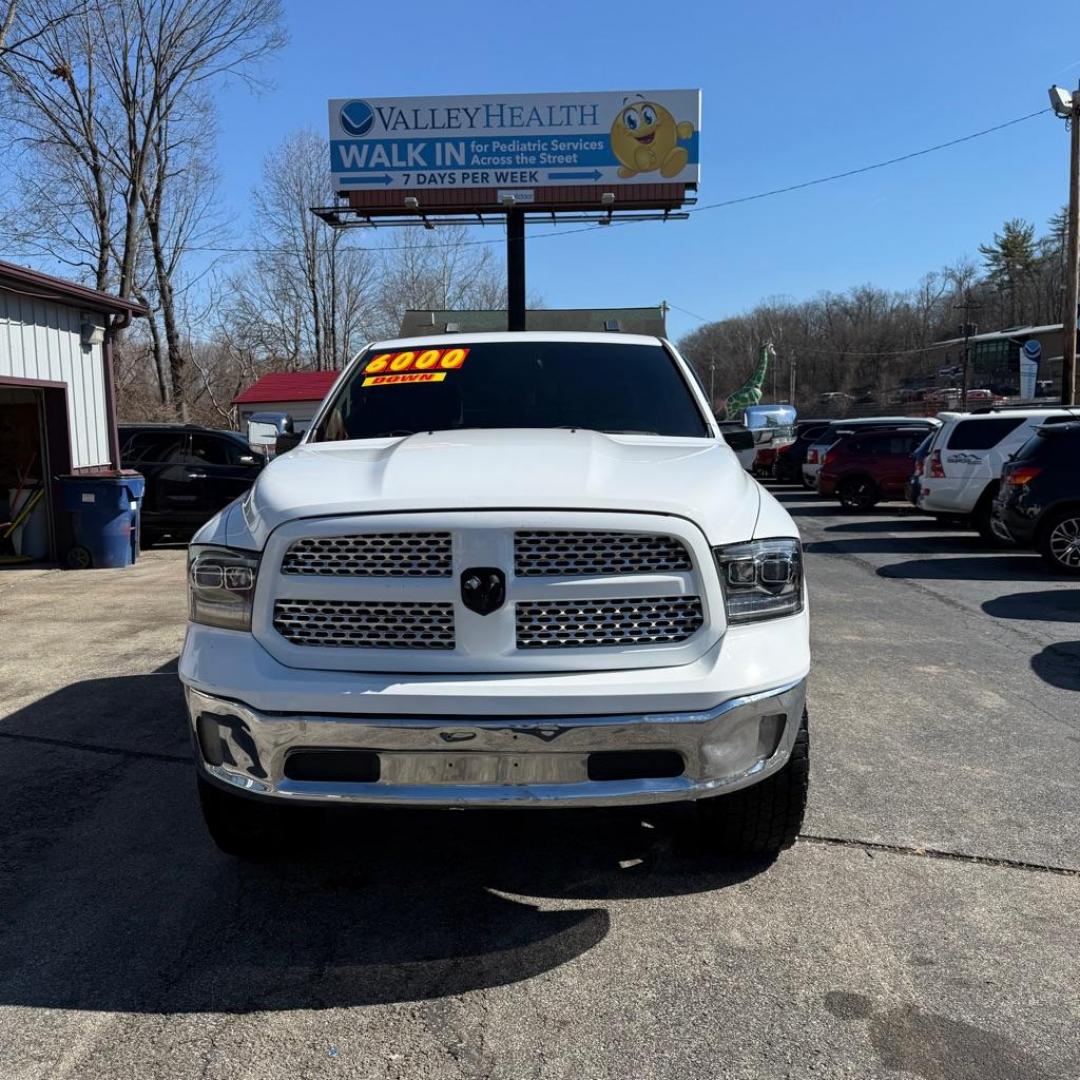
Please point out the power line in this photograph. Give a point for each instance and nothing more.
(738, 201)
(692, 314)
(870, 168)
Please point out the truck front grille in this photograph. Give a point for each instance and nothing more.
(559, 553)
(414, 554)
(352, 624)
(576, 624)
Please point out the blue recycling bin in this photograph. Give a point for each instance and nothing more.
(105, 518)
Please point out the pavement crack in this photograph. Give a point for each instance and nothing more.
(93, 748)
(938, 853)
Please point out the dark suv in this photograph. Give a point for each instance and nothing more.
(1038, 503)
(191, 473)
(867, 467)
(787, 466)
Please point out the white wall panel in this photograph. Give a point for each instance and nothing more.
(41, 340)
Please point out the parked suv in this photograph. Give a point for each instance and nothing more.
(787, 468)
(517, 570)
(1038, 503)
(815, 455)
(963, 469)
(863, 469)
(191, 473)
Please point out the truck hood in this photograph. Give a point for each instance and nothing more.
(504, 469)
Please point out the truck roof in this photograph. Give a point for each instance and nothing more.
(608, 338)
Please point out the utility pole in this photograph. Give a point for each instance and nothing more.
(967, 330)
(1067, 106)
(792, 365)
(712, 383)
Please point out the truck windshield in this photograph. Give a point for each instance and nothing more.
(615, 388)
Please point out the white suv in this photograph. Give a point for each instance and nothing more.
(962, 470)
(502, 570)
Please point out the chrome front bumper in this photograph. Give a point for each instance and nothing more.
(473, 761)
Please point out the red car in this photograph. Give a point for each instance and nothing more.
(863, 469)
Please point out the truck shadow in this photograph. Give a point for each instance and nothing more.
(112, 897)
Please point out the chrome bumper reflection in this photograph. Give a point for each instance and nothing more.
(533, 761)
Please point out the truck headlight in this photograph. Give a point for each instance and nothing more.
(762, 579)
(221, 586)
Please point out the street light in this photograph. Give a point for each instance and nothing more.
(1066, 105)
(1061, 101)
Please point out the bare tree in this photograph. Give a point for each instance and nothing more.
(177, 201)
(56, 110)
(7, 21)
(307, 297)
(97, 101)
(19, 44)
(439, 270)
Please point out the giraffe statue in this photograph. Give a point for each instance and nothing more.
(750, 391)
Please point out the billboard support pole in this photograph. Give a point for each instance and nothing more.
(515, 269)
(1072, 275)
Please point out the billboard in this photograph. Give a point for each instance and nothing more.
(515, 141)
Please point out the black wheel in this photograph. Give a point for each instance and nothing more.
(806, 483)
(1059, 540)
(857, 493)
(79, 558)
(252, 829)
(765, 818)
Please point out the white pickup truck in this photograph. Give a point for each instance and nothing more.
(517, 570)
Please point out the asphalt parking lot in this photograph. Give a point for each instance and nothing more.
(925, 927)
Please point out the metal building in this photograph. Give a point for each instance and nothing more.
(57, 406)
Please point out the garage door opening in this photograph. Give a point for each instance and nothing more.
(25, 502)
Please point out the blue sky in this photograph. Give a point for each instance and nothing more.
(791, 91)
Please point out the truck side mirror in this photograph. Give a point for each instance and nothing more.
(286, 441)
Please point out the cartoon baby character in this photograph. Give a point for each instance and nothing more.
(645, 137)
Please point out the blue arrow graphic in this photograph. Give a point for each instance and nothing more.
(383, 179)
(594, 175)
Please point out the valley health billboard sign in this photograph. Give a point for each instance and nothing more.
(518, 140)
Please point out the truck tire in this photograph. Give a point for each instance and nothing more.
(248, 828)
(1059, 540)
(765, 818)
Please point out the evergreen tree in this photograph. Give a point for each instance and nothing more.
(1010, 263)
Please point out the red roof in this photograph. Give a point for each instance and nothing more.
(288, 386)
